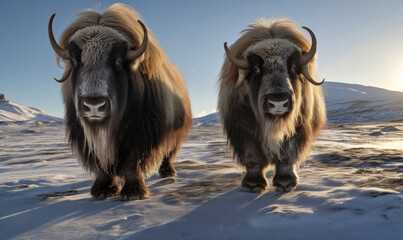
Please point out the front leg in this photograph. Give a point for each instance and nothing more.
(105, 186)
(134, 185)
(256, 164)
(254, 179)
(243, 135)
(285, 178)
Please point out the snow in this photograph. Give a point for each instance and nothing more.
(14, 112)
(357, 103)
(208, 119)
(350, 188)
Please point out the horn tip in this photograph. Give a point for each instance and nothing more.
(320, 83)
(144, 27)
(226, 46)
(141, 23)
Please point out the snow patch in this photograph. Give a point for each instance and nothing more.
(14, 112)
(357, 103)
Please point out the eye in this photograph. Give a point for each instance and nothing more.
(119, 61)
(256, 70)
(293, 69)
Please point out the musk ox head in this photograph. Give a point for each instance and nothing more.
(98, 60)
(270, 68)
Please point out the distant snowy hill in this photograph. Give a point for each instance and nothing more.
(208, 119)
(357, 103)
(14, 112)
(348, 103)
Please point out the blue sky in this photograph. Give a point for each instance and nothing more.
(358, 41)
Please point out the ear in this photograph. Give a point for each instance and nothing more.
(241, 77)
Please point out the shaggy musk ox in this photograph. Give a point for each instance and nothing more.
(271, 106)
(127, 106)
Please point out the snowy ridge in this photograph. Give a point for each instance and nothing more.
(357, 103)
(14, 112)
(350, 103)
(208, 119)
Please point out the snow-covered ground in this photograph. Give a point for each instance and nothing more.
(356, 103)
(14, 112)
(351, 188)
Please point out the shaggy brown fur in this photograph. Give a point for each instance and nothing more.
(258, 141)
(147, 129)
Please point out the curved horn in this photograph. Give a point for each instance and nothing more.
(305, 72)
(63, 53)
(307, 57)
(240, 63)
(133, 54)
(66, 73)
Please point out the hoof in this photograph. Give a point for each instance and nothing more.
(133, 192)
(286, 183)
(102, 191)
(254, 185)
(127, 197)
(167, 172)
(254, 189)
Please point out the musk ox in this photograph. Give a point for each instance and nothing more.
(127, 106)
(270, 104)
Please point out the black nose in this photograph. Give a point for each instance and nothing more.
(96, 107)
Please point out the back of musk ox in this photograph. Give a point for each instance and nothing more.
(127, 106)
(271, 106)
